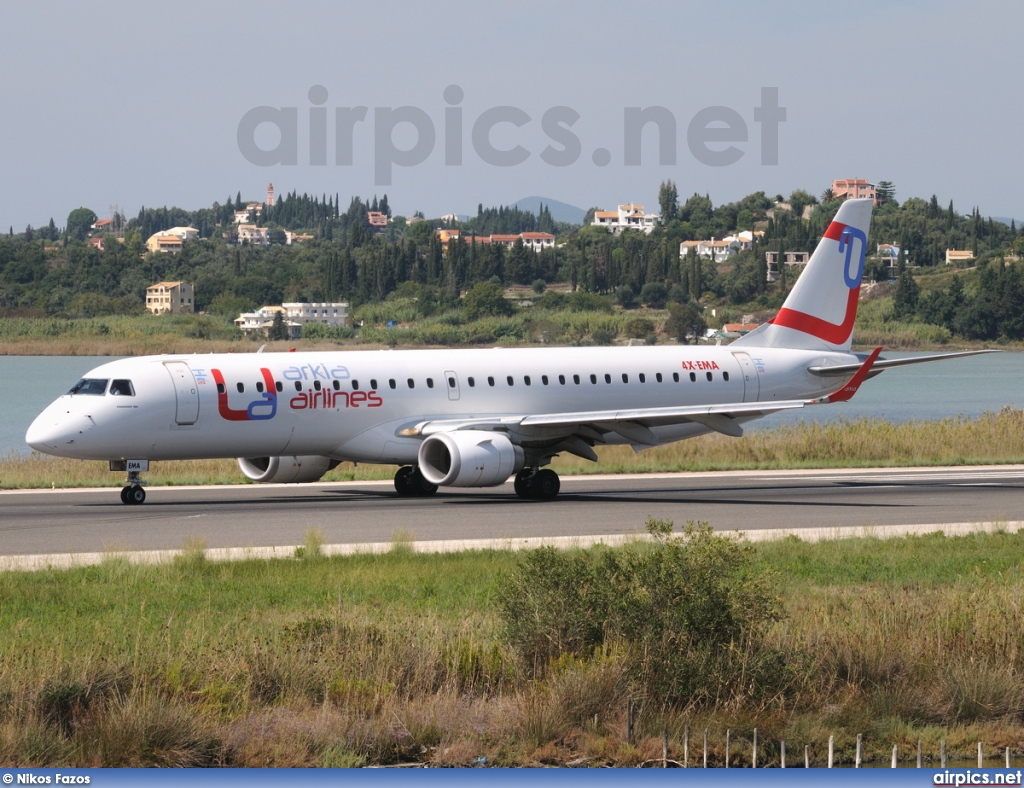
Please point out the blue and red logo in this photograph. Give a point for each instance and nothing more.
(260, 409)
(853, 271)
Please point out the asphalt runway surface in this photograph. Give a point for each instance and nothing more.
(243, 516)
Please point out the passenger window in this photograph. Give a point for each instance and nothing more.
(725, 376)
(355, 384)
(526, 379)
(316, 384)
(643, 377)
(93, 386)
(373, 383)
(657, 377)
(122, 388)
(544, 379)
(593, 379)
(220, 388)
(298, 385)
(490, 381)
(510, 381)
(392, 384)
(412, 383)
(561, 380)
(709, 377)
(607, 378)
(693, 377)
(336, 385)
(259, 387)
(430, 383)
(240, 387)
(625, 378)
(675, 377)
(471, 381)
(576, 379)
(279, 385)
(451, 383)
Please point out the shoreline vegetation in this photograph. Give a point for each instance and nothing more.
(408, 659)
(990, 439)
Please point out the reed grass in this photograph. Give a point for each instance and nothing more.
(398, 657)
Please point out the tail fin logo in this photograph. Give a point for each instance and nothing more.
(846, 241)
(853, 271)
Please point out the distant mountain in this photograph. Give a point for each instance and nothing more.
(560, 211)
(1002, 219)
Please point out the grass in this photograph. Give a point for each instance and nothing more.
(398, 657)
(992, 438)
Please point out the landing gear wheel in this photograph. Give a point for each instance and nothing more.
(537, 485)
(410, 482)
(133, 495)
(545, 484)
(405, 484)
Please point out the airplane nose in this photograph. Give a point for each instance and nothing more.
(51, 432)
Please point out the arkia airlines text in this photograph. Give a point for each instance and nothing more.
(470, 418)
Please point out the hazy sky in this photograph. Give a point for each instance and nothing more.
(141, 103)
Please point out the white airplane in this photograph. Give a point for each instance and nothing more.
(469, 418)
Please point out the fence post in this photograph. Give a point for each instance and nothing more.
(942, 754)
(686, 747)
(664, 747)
(918, 753)
(980, 761)
(705, 748)
(1007, 757)
(857, 759)
(727, 732)
(782, 754)
(807, 756)
(831, 749)
(753, 760)
(629, 722)
(894, 756)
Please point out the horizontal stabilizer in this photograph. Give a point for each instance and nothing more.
(885, 363)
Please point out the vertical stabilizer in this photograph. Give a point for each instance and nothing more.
(820, 310)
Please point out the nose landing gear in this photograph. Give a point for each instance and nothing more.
(132, 492)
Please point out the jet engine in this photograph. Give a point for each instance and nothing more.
(469, 458)
(286, 470)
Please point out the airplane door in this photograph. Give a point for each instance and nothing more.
(186, 392)
(452, 381)
(751, 382)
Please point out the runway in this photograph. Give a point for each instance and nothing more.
(348, 513)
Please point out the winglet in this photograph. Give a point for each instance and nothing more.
(847, 391)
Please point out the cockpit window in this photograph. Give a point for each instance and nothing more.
(123, 388)
(95, 386)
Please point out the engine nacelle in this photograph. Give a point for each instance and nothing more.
(469, 458)
(286, 470)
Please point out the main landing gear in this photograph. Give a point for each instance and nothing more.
(542, 485)
(133, 491)
(410, 482)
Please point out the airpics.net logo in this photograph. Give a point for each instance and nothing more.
(269, 136)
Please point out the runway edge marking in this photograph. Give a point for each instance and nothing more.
(30, 563)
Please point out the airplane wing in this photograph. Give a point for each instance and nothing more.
(885, 363)
(588, 427)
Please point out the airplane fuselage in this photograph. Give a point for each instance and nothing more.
(355, 405)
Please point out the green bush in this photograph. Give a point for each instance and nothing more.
(688, 611)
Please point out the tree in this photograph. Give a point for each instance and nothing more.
(686, 321)
(904, 300)
(886, 192)
(80, 221)
(486, 298)
(278, 329)
(668, 201)
(654, 295)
